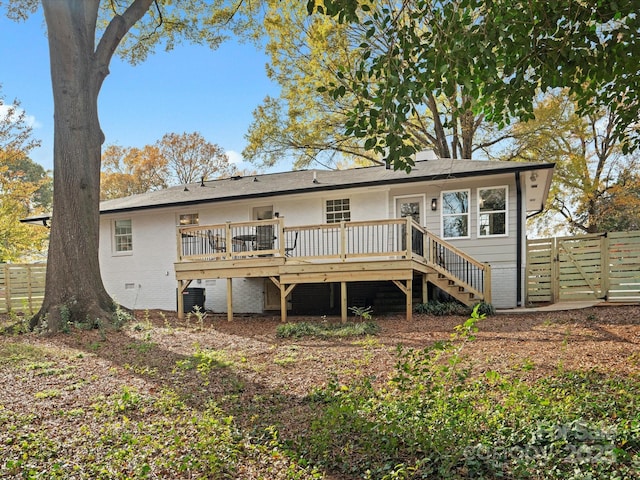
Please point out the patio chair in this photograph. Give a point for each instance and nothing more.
(264, 237)
(288, 250)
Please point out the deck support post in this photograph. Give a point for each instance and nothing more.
(283, 304)
(229, 299)
(284, 293)
(343, 301)
(425, 288)
(409, 294)
(182, 286)
(407, 289)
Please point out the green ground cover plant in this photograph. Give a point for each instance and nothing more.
(327, 330)
(220, 401)
(435, 420)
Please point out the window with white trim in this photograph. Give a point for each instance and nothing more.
(455, 214)
(492, 211)
(122, 236)
(338, 210)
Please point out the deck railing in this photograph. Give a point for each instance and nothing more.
(390, 238)
(471, 274)
(344, 240)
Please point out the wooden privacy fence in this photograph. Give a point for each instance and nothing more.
(586, 267)
(21, 287)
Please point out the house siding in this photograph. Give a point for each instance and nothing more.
(145, 278)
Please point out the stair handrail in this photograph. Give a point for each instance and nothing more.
(473, 275)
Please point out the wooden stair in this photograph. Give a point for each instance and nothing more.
(448, 284)
(456, 273)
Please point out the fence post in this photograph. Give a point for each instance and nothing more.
(555, 271)
(605, 269)
(7, 287)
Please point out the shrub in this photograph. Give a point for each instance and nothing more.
(440, 309)
(307, 329)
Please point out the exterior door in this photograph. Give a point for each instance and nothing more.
(411, 207)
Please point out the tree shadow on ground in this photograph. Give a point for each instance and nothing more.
(200, 378)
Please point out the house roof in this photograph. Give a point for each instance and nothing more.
(304, 181)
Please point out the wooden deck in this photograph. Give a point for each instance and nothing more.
(395, 250)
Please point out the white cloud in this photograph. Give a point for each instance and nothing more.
(235, 158)
(5, 114)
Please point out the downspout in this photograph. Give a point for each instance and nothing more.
(519, 240)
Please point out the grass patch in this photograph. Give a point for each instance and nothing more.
(327, 330)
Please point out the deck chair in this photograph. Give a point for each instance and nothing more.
(288, 250)
(264, 237)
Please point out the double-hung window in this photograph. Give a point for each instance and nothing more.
(455, 214)
(122, 236)
(338, 210)
(492, 211)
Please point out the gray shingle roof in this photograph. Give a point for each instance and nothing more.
(301, 181)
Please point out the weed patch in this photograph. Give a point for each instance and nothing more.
(307, 329)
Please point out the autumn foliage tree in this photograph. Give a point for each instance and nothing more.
(25, 187)
(19, 241)
(594, 179)
(128, 170)
(175, 159)
(191, 158)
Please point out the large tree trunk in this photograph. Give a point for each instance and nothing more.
(74, 289)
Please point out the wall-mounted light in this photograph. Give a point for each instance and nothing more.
(434, 204)
(533, 177)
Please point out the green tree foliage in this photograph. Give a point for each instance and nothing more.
(503, 52)
(590, 165)
(83, 36)
(307, 121)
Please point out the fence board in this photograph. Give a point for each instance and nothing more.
(584, 267)
(21, 287)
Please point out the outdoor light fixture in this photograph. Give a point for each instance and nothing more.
(434, 204)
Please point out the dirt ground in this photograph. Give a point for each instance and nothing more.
(529, 345)
(262, 379)
(603, 338)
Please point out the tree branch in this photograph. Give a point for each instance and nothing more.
(115, 32)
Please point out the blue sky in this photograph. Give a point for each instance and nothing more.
(189, 89)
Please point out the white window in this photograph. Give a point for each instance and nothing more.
(188, 219)
(122, 236)
(492, 211)
(338, 210)
(455, 214)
